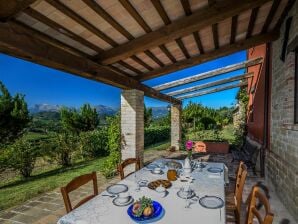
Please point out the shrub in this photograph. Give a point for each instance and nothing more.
(155, 135)
(114, 143)
(21, 156)
(94, 143)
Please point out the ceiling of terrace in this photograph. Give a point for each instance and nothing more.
(124, 42)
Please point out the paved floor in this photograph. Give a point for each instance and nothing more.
(48, 207)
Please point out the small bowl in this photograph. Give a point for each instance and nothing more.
(157, 170)
(123, 197)
(161, 191)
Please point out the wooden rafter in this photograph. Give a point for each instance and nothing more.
(20, 42)
(141, 62)
(284, 14)
(252, 20)
(165, 18)
(199, 42)
(182, 27)
(102, 13)
(61, 29)
(139, 19)
(222, 51)
(168, 53)
(214, 90)
(211, 84)
(128, 66)
(48, 39)
(234, 28)
(210, 74)
(186, 7)
(9, 9)
(215, 35)
(271, 14)
(80, 20)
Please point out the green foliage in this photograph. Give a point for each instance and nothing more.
(21, 156)
(156, 134)
(14, 115)
(94, 143)
(198, 117)
(86, 119)
(114, 143)
(162, 121)
(148, 117)
(61, 147)
(45, 122)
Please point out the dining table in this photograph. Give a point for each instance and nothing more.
(101, 209)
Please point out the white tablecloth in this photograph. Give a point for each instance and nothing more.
(101, 210)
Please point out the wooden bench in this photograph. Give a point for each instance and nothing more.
(248, 153)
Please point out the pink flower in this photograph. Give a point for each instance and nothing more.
(189, 145)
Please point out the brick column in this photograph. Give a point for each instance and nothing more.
(132, 124)
(176, 111)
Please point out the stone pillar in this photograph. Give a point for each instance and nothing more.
(132, 124)
(176, 111)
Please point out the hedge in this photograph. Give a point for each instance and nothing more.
(155, 135)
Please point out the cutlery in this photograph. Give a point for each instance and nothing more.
(107, 195)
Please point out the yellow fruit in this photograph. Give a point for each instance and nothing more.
(148, 211)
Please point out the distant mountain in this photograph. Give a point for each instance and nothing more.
(44, 108)
(158, 112)
(101, 109)
(105, 110)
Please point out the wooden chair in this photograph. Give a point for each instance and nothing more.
(126, 163)
(257, 196)
(75, 184)
(234, 204)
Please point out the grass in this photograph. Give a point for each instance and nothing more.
(17, 190)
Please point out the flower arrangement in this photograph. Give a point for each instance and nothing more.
(189, 146)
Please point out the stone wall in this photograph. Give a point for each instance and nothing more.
(176, 113)
(282, 159)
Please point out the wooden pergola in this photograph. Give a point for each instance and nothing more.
(125, 42)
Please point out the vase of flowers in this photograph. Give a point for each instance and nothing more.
(187, 161)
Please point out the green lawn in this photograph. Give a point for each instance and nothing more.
(17, 190)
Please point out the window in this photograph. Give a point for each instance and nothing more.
(296, 87)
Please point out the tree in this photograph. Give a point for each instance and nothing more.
(147, 116)
(14, 115)
(86, 119)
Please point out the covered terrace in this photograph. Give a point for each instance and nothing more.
(124, 43)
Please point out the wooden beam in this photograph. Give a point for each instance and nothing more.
(165, 18)
(211, 84)
(222, 51)
(10, 8)
(234, 29)
(186, 7)
(271, 14)
(61, 29)
(102, 13)
(215, 35)
(129, 67)
(199, 42)
(80, 20)
(168, 53)
(18, 41)
(154, 58)
(182, 27)
(284, 14)
(50, 40)
(209, 91)
(209, 74)
(141, 62)
(252, 20)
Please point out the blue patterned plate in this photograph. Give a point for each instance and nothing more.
(158, 209)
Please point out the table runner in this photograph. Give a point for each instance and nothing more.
(100, 210)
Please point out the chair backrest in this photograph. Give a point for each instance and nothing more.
(240, 181)
(75, 184)
(127, 162)
(257, 196)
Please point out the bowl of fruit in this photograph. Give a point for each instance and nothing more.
(144, 209)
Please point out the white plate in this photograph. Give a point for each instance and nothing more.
(183, 194)
(214, 170)
(211, 202)
(117, 188)
(117, 203)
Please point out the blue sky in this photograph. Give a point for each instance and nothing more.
(45, 85)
